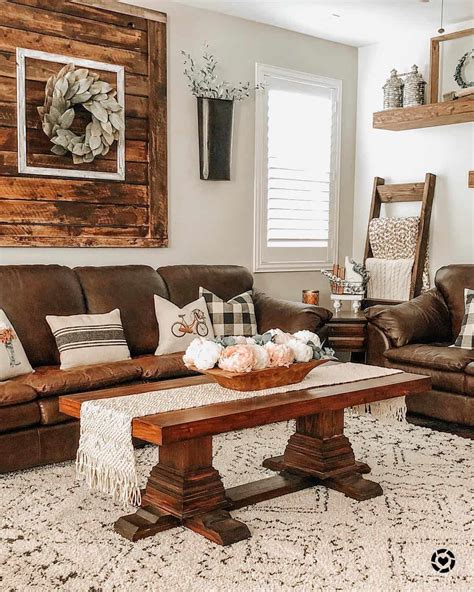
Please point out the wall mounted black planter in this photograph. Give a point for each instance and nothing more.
(215, 121)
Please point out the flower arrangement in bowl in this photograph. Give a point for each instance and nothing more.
(254, 363)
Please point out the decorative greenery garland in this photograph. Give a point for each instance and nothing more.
(70, 88)
(459, 68)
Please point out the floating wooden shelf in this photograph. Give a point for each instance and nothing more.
(425, 115)
(471, 180)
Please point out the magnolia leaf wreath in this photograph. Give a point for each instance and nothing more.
(69, 89)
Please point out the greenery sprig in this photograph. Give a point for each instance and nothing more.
(203, 80)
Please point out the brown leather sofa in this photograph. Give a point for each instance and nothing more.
(32, 430)
(415, 336)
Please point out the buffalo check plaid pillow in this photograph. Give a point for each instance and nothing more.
(466, 336)
(234, 317)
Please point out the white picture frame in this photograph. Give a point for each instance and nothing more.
(23, 167)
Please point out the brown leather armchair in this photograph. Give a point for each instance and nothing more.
(415, 336)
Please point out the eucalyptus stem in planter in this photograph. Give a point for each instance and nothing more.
(215, 100)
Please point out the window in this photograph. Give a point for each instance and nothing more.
(297, 170)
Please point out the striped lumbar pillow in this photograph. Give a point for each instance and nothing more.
(89, 339)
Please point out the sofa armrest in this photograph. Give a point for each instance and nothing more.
(377, 344)
(422, 320)
(288, 316)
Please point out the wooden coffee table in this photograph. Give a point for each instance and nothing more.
(185, 489)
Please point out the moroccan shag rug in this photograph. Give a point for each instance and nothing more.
(56, 535)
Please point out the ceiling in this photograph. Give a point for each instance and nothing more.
(355, 22)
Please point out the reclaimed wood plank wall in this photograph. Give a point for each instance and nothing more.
(66, 212)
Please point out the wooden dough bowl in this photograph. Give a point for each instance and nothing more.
(258, 380)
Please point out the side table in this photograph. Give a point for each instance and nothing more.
(347, 332)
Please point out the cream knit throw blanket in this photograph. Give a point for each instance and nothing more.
(106, 459)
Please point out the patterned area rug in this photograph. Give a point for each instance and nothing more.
(56, 535)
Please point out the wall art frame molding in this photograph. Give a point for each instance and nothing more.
(433, 89)
(49, 210)
(23, 168)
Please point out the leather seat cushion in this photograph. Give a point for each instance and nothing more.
(469, 385)
(49, 411)
(160, 367)
(439, 357)
(131, 289)
(19, 416)
(454, 382)
(14, 391)
(30, 292)
(50, 380)
(226, 281)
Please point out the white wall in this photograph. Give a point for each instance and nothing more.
(405, 156)
(212, 222)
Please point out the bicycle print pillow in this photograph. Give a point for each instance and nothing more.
(13, 360)
(179, 326)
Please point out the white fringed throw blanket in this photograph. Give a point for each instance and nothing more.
(106, 459)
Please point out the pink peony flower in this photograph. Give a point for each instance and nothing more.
(279, 354)
(237, 358)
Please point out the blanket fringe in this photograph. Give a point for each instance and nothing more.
(389, 410)
(121, 485)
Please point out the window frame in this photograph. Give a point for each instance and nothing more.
(261, 172)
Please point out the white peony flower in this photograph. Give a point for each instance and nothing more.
(202, 353)
(306, 336)
(208, 355)
(240, 340)
(302, 351)
(192, 350)
(261, 357)
(250, 341)
(280, 336)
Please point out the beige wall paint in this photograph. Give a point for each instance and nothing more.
(212, 222)
(406, 156)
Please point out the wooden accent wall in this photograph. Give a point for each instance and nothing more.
(66, 212)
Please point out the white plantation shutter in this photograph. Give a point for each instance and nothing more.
(297, 146)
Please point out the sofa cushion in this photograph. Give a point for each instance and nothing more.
(50, 380)
(19, 416)
(161, 367)
(439, 357)
(451, 281)
(131, 289)
(49, 411)
(454, 382)
(30, 292)
(183, 281)
(13, 392)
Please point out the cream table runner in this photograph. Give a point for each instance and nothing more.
(106, 458)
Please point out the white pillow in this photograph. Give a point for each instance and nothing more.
(88, 339)
(13, 360)
(179, 326)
